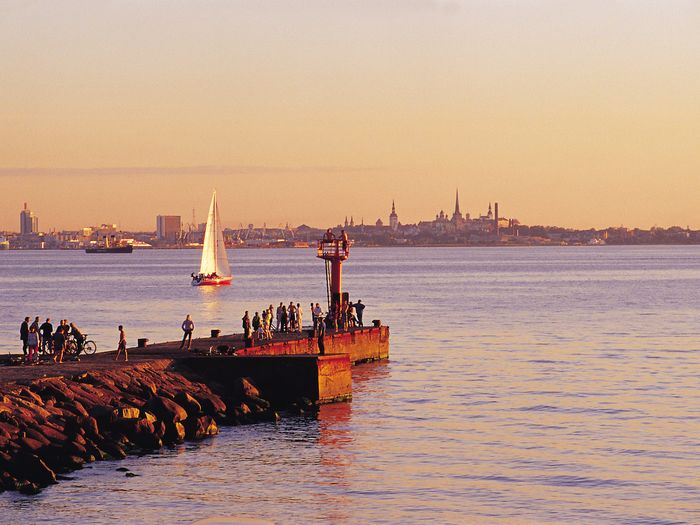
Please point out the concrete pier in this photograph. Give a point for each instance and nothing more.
(55, 418)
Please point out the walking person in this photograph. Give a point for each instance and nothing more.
(46, 330)
(187, 328)
(121, 345)
(359, 308)
(33, 344)
(23, 334)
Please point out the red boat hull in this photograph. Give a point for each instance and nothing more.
(218, 281)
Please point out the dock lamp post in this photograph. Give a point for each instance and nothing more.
(334, 252)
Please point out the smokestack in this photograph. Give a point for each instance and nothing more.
(495, 218)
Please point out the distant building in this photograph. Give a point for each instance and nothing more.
(393, 217)
(168, 227)
(457, 217)
(28, 222)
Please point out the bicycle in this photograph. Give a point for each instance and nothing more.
(88, 347)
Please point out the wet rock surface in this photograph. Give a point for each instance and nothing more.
(52, 426)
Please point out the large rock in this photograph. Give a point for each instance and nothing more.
(189, 403)
(200, 427)
(174, 432)
(166, 409)
(32, 468)
(212, 405)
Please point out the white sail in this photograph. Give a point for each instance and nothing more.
(214, 258)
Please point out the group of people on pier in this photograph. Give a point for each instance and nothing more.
(51, 342)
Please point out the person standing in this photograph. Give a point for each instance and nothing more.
(121, 345)
(300, 318)
(256, 322)
(33, 344)
(279, 317)
(285, 319)
(320, 334)
(247, 330)
(59, 345)
(345, 241)
(46, 330)
(187, 328)
(292, 317)
(359, 308)
(317, 313)
(23, 334)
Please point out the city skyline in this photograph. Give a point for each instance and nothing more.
(571, 113)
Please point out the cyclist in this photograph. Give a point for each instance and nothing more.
(79, 338)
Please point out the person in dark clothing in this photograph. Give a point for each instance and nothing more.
(78, 336)
(256, 322)
(320, 334)
(24, 334)
(59, 343)
(247, 330)
(285, 319)
(46, 334)
(359, 308)
(187, 329)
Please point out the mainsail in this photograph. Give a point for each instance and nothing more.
(214, 258)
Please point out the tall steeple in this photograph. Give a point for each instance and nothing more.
(393, 218)
(457, 215)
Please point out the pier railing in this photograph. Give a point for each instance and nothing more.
(333, 248)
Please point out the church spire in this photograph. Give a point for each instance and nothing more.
(457, 212)
(393, 207)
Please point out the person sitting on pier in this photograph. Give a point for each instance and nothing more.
(187, 328)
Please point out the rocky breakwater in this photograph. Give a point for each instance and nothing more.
(52, 426)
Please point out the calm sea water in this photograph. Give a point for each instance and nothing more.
(543, 385)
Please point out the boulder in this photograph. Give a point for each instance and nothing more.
(189, 403)
(244, 387)
(200, 427)
(32, 468)
(166, 409)
(212, 405)
(174, 432)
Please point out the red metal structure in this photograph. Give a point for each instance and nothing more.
(334, 252)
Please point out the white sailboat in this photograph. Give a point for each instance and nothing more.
(214, 269)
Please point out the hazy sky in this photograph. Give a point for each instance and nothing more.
(578, 113)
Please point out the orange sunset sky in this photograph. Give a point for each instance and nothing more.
(574, 113)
